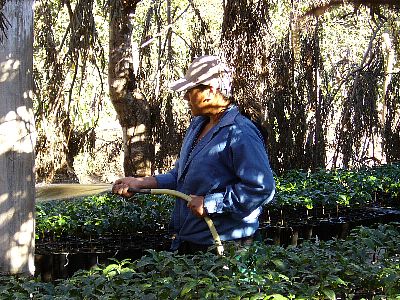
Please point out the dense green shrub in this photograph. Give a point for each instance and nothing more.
(366, 264)
(358, 187)
(108, 213)
(102, 214)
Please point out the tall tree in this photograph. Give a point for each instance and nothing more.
(130, 104)
(17, 140)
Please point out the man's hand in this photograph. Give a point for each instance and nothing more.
(122, 185)
(196, 206)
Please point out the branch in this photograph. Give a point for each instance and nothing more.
(345, 117)
(197, 12)
(363, 65)
(158, 34)
(164, 30)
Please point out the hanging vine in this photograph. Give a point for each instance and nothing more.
(313, 110)
(158, 60)
(299, 101)
(59, 88)
(391, 131)
(246, 43)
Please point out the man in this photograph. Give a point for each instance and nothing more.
(223, 164)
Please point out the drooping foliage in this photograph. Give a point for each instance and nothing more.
(392, 121)
(173, 34)
(67, 65)
(269, 80)
(319, 107)
(320, 77)
(167, 36)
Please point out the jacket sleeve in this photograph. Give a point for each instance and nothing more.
(254, 185)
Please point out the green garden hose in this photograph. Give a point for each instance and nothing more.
(64, 191)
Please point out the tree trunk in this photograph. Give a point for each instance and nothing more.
(17, 181)
(131, 106)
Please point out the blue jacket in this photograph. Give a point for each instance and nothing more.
(230, 167)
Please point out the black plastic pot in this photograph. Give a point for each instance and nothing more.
(50, 267)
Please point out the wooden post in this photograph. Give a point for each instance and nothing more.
(17, 141)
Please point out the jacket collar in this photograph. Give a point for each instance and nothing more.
(190, 152)
(227, 118)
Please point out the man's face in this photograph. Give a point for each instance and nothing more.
(199, 100)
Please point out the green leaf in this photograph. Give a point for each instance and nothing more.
(257, 297)
(188, 287)
(330, 294)
(277, 297)
(369, 242)
(279, 264)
